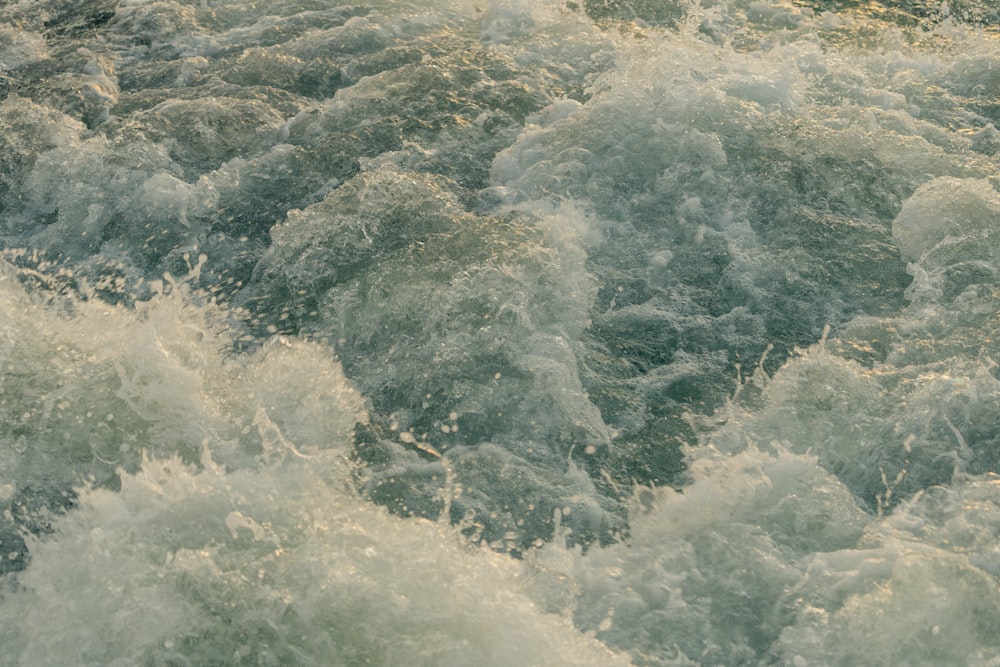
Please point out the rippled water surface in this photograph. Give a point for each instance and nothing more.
(499, 332)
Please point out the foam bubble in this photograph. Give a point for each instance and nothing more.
(947, 209)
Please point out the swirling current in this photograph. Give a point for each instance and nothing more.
(499, 332)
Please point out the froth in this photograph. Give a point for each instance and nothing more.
(271, 566)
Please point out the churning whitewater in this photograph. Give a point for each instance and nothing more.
(499, 332)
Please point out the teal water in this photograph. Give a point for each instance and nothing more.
(499, 333)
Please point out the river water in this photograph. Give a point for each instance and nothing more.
(497, 332)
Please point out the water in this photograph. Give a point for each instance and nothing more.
(501, 332)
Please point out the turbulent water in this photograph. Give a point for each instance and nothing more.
(499, 332)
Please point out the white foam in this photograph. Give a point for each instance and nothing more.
(950, 210)
(270, 564)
